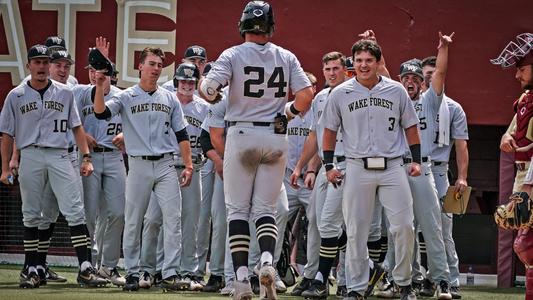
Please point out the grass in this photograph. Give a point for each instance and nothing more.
(9, 290)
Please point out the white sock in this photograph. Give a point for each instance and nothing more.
(371, 263)
(32, 270)
(85, 265)
(242, 273)
(319, 276)
(39, 267)
(266, 257)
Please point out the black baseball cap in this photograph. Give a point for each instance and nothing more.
(61, 54)
(38, 51)
(55, 43)
(412, 66)
(349, 64)
(195, 51)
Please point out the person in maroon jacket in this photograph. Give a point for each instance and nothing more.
(519, 138)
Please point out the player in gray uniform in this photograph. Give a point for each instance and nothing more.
(56, 43)
(195, 110)
(195, 55)
(104, 190)
(152, 119)
(325, 220)
(374, 112)
(440, 154)
(427, 210)
(43, 155)
(258, 73)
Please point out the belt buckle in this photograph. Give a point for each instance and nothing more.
(520, 166)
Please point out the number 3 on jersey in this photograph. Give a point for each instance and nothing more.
(276, 80)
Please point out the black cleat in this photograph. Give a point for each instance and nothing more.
(301, 286)
(456, 292)
(89, 279)
(341, 291)
(407, 293)
(52, 276)
(375, 276)
(158, 278)
(353, 295)
(214, 284)
(28, 280)
(317, 290)
(132, 283)
(170, 283)
(428, 288)
(42, 276)
(254, 283)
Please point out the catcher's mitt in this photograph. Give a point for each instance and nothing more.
(516, 214)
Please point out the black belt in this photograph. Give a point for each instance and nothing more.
(150, 157)
(260, 124)
(340, 158)
(103, 149)
(437, 163)
(408, 160)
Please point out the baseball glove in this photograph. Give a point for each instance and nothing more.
(517, 214)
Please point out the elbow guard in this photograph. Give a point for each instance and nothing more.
(182, 135)
(209, 88)
(205, 142)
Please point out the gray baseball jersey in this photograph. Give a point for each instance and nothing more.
(297, 131)
(149, 121)
(458, 130)
(71, 81)
(50, 116)
(317, 107)
(258, 76)
(103, 131)
(195, 112)
(427, 107)
(215, 116)
(372, 120)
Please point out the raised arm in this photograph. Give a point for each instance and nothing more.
(441, 65)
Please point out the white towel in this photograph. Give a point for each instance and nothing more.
(444, 123)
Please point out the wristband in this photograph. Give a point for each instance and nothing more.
(293, 110)
(87, 155)
(415, 153)
(310, 172)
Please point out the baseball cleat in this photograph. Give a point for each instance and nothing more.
(280, 285)
(132, 283)
(428, 288)
(146, 281)
(353, 295)
(52, 276)
(88, 278)
(228, 289)
(407, 293)
(376, 274)
(28, 280)
(301, 286)
(42, 275)
(112, 275)
(214, 284)
(267, 279)
(170, 283)
(390, 292)
(195, 284)
(183, 282)
(456, 292)
(443, 291)
(317, 290)
(158, 278)
(242, 290)
(341, 292)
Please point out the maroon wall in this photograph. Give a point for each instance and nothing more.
(405, 29)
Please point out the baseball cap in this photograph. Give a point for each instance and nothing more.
(349, 64)
(55, 43)
(38, 51)
(412, 66)
(61, 54)
(195, 51)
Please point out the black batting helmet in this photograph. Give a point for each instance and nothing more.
(186, 71)
(257, 17)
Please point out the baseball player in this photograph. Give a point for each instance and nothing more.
(374, 113)
(258, 73)
(328, 227)
(426, 205)
(440, 154)
(195, 55)
(195, 110)
(152, 119)
(43, 154)
(104, 190)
